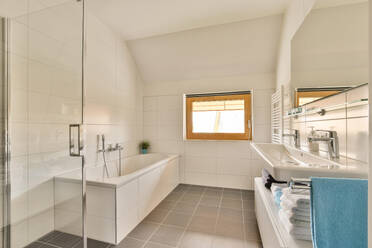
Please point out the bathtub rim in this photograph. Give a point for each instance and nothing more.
(117, 182)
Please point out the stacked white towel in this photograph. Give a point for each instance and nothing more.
(295, 213)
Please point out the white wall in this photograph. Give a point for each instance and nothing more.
(215, 163)
(202, 61)
(331, 47)
(113, 102)
(294, 16)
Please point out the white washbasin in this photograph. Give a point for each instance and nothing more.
(285, 162)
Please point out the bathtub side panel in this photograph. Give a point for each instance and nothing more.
(149, 194)
(127, 209)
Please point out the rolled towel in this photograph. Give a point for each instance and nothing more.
(299, 199)
(276, 190)
(294, 217)
(302, 192)
(297, 232)
(296, 210)
(306, 237)
(300, 222)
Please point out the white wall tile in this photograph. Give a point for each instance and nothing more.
(232, 181)
(234, 166)
(201, 178)
(200, 164)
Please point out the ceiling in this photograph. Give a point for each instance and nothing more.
(134, 19)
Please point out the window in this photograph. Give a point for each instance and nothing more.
(223, 116)
(307, 95)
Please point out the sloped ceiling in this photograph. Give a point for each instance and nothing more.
(135, 19)
(235, 49)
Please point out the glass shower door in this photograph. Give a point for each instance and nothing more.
(45, 96)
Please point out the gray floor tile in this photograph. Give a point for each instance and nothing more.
(177, 219)
(156, 245)
(157, 215)
(166, 205)
(210, 201)
(198, 187)
(190, 198)
(181, 188)
(234, 204)
(228, 242)
(235, 195)
(213, 193)
(206, 211)
(93, 244)
(249, 216)
(50, 236)
(130, 243)
(193, 239)
(230, 229)
(195, 191)
(248, 205)
(143, 230)
(39, 245)
(202, 224)
(248, 195)
(174, 196)
(231, 215)
(65, 240)
(168, 235)
(183, 207)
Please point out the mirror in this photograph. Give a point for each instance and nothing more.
(330, 50)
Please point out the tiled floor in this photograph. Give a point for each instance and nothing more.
(190, 217)
(64, 240)
(199, 217)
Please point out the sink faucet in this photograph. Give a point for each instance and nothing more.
(332, 139)
(296, 137)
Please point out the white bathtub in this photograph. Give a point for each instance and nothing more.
(117, 204)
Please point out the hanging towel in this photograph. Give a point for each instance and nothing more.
(339, 212)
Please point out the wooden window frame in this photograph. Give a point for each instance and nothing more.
(315, 93)
(247, 135)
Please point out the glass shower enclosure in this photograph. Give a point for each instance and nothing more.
(41, 113)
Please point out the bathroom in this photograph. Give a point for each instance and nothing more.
(154, 124)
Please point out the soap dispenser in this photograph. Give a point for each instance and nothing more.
(313, 146)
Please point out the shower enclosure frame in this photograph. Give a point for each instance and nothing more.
(5, 139)
(6, 194)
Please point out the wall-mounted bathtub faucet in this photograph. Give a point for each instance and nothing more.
(119, 148)
(332, 140)
(296, 137)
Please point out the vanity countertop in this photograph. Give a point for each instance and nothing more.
(285, 162)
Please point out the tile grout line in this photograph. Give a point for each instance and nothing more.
(192, 216)
(166, 216)
(244, 227)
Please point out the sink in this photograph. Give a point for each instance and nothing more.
(285, 162)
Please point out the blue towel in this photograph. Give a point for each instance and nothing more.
(339, 210)
(277, 196)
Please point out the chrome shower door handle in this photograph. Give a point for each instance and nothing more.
(75, 140)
